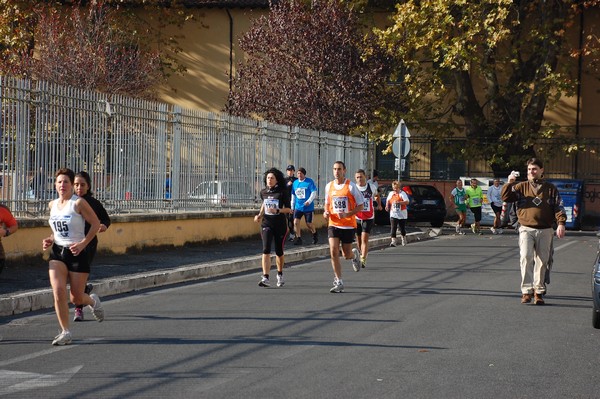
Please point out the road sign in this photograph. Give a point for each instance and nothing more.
(405, 148)
(400, 164)
(401, 130)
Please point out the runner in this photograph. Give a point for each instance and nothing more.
(475, 200)
(272, 215)
(304, 192)
(458, 198)
(83, 189)
(343, 200)
(395, 204)
(8, 225)
(365, 219)
(494, 196)
(290, 179)
(69, 260)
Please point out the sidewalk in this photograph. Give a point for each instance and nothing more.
(27, 288)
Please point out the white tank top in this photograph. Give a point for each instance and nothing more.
(68, 225)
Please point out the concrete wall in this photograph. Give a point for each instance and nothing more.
(136, 232)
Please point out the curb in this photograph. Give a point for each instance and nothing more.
(43, 299)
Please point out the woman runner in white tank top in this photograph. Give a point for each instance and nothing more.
(69, 262)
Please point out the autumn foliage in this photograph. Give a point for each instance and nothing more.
(309, 66)
(99, 45)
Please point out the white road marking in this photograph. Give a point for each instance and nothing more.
(18, 381)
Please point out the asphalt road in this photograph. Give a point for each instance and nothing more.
(437, 318)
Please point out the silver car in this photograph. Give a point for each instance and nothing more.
(223, 193)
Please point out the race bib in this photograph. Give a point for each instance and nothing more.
(476, 201)
(367, 205)
(340, 205)
(396, 206)
(300, 193)
(271, 205)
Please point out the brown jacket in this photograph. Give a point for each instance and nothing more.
(537, 210)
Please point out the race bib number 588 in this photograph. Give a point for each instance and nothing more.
(340, 205)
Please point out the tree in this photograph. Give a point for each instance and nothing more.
(102, 45)
(309, 65)
(486, 71)
(85, 48)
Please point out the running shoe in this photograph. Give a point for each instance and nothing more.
(264, 282)
(393, 243)
(363, 262)
(298, 241)
(473, 229)
(493, 230)
(457, 229)
(78, 313)
(97, 309)
(292, 236)
(356, 260)
(315, 238)
(403, 241)
(280, 280)
(338, 286)
(64, 338)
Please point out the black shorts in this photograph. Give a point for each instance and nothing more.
(496, 209)
(364, 226)
(476, 213)
(308, 216)
(346, 236)
(77, 264)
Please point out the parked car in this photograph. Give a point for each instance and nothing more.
(426, 205)
(223, 193)
(596, 289)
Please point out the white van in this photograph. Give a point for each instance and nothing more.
(223, 193)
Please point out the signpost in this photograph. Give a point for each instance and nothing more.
(401, 147)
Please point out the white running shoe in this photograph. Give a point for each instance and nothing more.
(64, 338)
(457, 229)
(338, 286)
(493, 230)
(394, 242)
(97, 309)
(356, 260)
(280, 280)
(403, 241)
(264, 282)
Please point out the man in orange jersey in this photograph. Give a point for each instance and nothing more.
(343, 200)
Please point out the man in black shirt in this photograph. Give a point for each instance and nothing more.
(290, 178)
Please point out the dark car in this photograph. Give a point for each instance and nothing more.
(596, 289)
(426, 205)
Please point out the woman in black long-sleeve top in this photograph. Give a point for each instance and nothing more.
(83, 189)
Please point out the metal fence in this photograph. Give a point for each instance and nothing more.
(428, 160)
(147, 156)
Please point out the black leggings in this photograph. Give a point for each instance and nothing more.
(394, 226)
(275, 233)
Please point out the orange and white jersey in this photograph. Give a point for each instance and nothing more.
(342, 198)
(397, 210)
